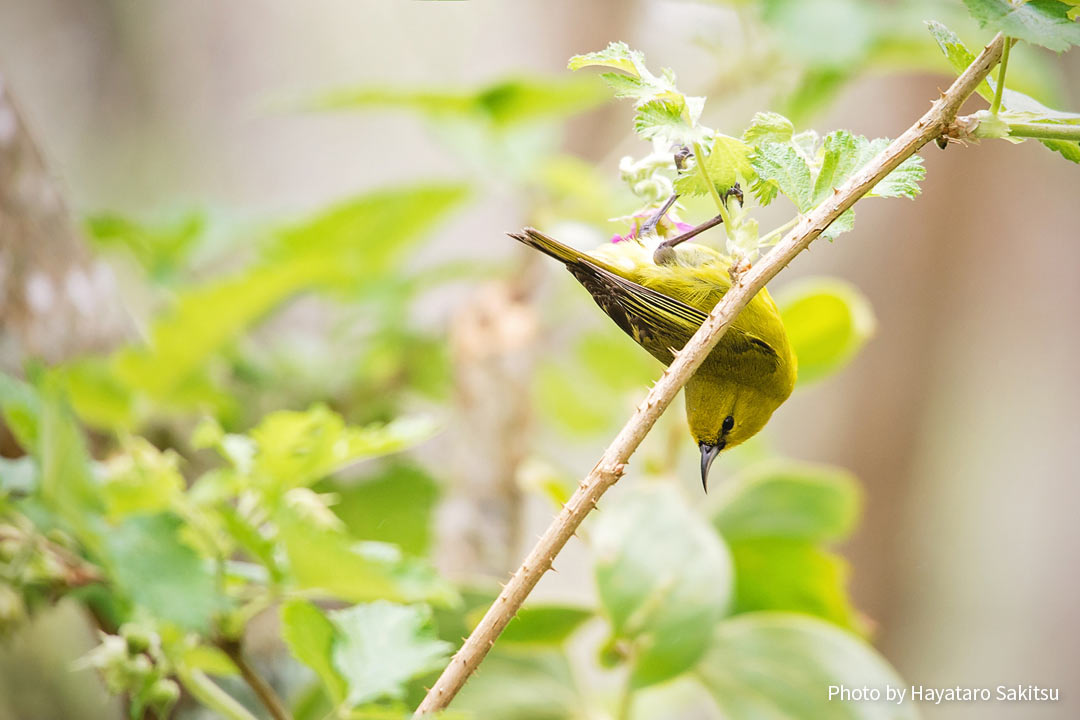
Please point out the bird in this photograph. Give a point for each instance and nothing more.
(660, 297)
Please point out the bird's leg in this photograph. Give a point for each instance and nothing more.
(653, 221)
(664, 252)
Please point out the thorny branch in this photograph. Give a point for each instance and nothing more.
(611, 466)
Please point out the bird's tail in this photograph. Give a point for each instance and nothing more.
(563, 253)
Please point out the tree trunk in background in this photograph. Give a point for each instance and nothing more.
(55, 299)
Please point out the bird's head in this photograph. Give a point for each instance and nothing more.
(723, 415)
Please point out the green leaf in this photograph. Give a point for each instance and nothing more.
(536, 686)
(828, 321)
(616, 55)
(768, 127)
(540, 625)
(839, 226)
(328, 560)
(395, 505)
(310, 637)
(780, 167)
(21, 410)
(343, 247)
(381, 646)
(1039, 22)
(728, 161)
(161, 574)
(506, 103)
(662, 111)
(957, 54)
(160, 248)
(299, 448)
(960, 57)
(654, 597)
(781, 665)
(68, 487)
(844, 154)
(795, 576)
(208, 659)
(141, 480)
(840, 158)
(666, 120)
(792, 500)
(97, 395)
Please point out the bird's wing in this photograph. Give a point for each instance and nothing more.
(657, 322)
(662, 324)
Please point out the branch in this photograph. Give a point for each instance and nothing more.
(261, 688)
(612, 464)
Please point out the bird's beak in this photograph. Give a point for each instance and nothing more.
(708, 454)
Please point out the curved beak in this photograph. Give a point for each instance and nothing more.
(708, 454)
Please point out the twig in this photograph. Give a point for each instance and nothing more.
(612, 463)
(210, 694)
(261, 688)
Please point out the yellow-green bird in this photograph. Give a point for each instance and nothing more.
(661, 305)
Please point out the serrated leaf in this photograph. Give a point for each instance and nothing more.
(780, 167)
(844, 154)
(768, 127)
(654, 598)
(616, 55)
(1039, 22)
(828, 321)
(662, 111)
(629, 86)
(781, 665)
(960, 57)
(381, 646)
(840, 158)
(310, 636)
(667, 120)
(844, 223)
(903, 181)
(956, 53)
(1069, 150)
(790, 500)
(728, 161)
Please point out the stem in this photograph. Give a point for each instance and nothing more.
(626, 696)
(699, 160)
(772, 235)
(1000, 89)
(211, 695)
(612, 463)
(1045, 131)
(261, 688)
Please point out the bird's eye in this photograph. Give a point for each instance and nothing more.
(729, 422)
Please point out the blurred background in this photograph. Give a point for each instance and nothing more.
(171, 138)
